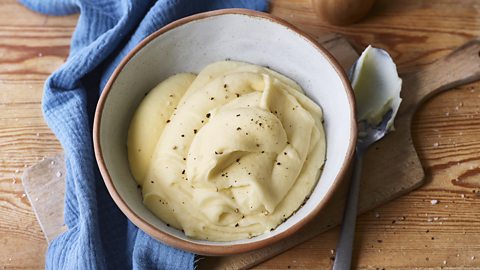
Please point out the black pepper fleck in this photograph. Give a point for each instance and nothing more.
(208, 115)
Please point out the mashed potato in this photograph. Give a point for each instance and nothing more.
(228, 154)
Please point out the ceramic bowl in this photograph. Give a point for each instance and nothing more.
(188, 45)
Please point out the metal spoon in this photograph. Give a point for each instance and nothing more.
(343, 257)
(369, 132)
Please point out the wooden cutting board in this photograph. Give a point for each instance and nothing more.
(391, 167)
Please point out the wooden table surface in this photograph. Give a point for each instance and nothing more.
(408, 233)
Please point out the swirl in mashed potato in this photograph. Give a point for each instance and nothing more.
(228, 154)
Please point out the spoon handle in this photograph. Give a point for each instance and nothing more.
(343, 257)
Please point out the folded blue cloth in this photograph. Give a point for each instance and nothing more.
(99, 235)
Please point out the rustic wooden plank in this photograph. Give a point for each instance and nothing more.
(31, 47)
(14, 14)
(405, 172)
(416, 32)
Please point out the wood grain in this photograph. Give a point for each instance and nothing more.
(411, 233)
(31, 47)
(445, 131)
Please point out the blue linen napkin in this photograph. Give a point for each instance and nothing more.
(99, 235)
